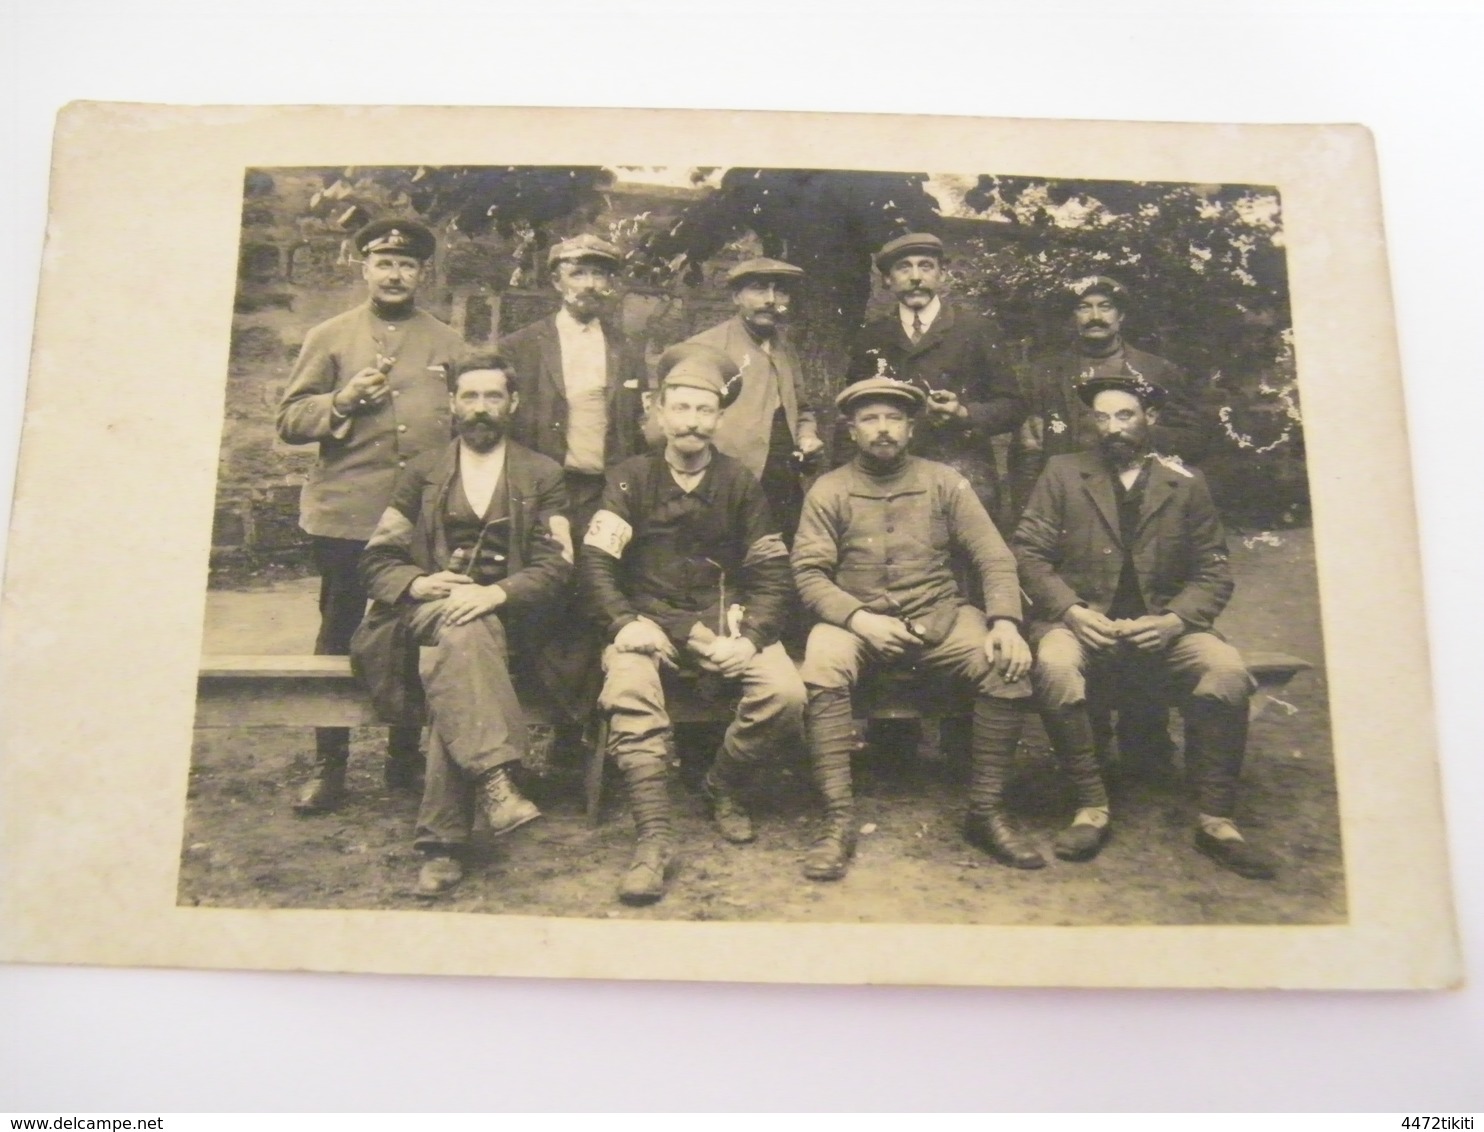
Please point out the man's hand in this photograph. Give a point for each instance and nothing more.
(809, 444)
(1090, 627)
(642, 635)
(431, 587)
(1154, 632)
(887, 637)
(731, 655)
(944, 405)
(1007, 651)
(467, 603)
(364, 392)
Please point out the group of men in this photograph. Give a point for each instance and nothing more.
(549, 524)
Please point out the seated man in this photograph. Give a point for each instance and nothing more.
(684, 565)
(872, 562)
(1124, 560)
(464, 551)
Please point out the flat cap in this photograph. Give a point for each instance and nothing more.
(582, 247)
(698, 366)
(763, 268)
(1086, 285)
(398, 236)
(881, 387)
(913, 243)
(1150, 395)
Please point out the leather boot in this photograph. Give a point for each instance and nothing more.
(831, 731)
(997, 727)
(654, 855)
(405, 763)
(505, 808)
(326, 791)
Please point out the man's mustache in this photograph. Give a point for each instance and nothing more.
(1096, 322)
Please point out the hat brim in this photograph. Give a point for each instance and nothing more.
(916, 404)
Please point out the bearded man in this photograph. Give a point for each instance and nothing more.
(1124, 560)
(464, 555)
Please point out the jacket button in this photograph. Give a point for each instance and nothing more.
(401, 428)
(1107, 550)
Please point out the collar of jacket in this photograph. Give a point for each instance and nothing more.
(1097, 481)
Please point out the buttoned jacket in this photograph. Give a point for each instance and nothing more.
(885, 544)
(1070, 549)
(360, 455)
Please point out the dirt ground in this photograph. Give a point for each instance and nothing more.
(245, 848)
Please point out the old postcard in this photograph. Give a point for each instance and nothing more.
(729, 546)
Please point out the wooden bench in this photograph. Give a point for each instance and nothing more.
(319, 691)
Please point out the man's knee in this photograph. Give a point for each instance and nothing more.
(774, 688)
(1223, 674)
(831, 658)
(1057, 675)
(631, 684)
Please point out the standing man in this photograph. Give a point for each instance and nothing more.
(950, 353)
(1060, 423)
(584, 387)
(370, 388)
(770, 423)
(872, 562)
(685, 567)
(463, 553)
(1124, 560)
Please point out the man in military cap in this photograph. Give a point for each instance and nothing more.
(1123, 557)
(770, 427)
(463, 558)
(1059, 423)
(685, 567)
(872, 562)
(949, 352)
(584, 385)
(369, 389)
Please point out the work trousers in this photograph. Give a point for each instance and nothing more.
(769, 714)
(834, 656)
(476, 718)
(1200, 671)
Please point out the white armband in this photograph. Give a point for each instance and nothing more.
(608, 533)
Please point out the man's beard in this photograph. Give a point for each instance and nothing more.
(1120, 452)
(481, 433)
(884, 457)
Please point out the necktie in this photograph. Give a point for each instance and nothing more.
(916, 327)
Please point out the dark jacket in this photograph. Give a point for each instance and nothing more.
(1070, 550)
(540, 423)
(409, 543)
(1059, 423)
(960, 352)
(679, 558)
(885, 544)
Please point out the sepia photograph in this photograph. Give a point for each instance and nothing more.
(927, 557)
(392, 324)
